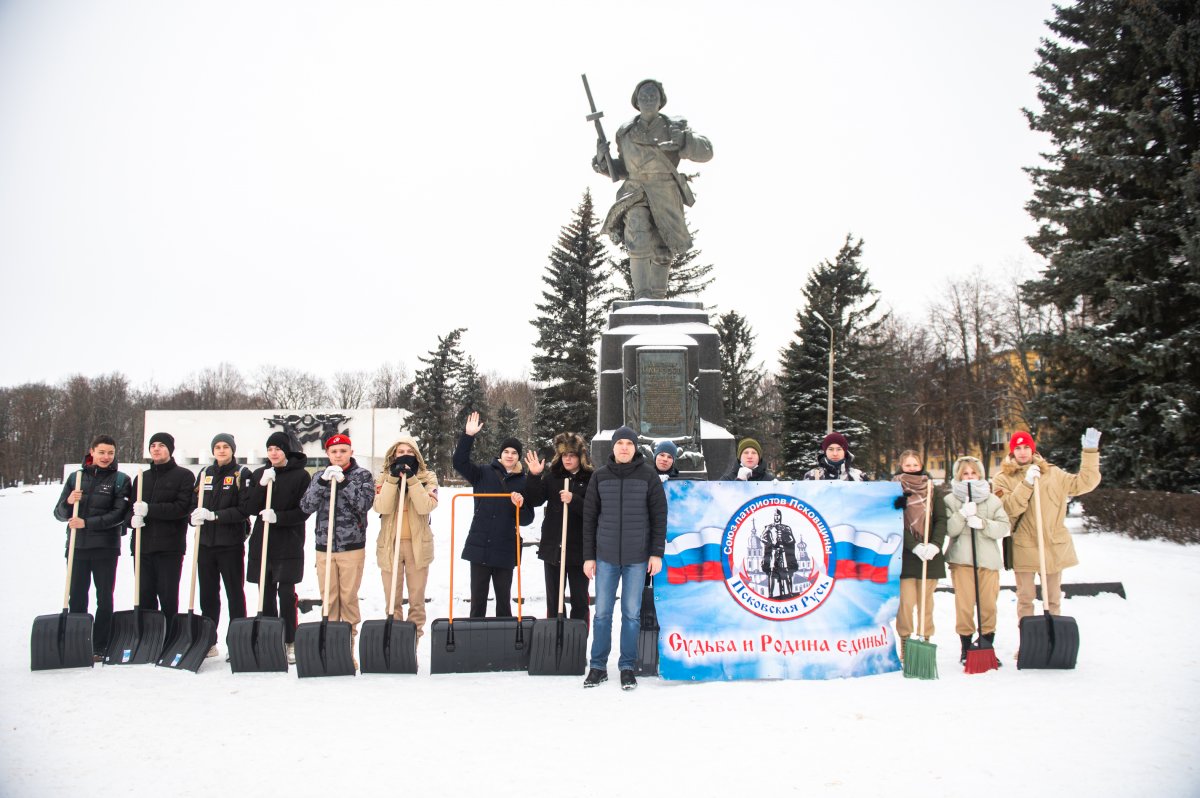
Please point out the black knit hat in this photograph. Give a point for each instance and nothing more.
(512, 443)
(283, 441)
(165, 438)
(625, 434)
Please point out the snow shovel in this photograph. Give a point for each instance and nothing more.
(390, 645)
(920, 656)
(137, 634)
(256, 644)
(981, 656)
(647, 647)
(64, 639)
(476, 645)
(190, 636)
(1047, 641)
(560, 645)
(323, 648)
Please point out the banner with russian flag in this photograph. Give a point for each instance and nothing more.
(779, 580)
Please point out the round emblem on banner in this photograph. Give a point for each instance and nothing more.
(780, 557)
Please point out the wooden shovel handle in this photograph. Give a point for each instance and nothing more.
(137, 548)
(262, 567)
(562, 556)
(329, 547)
(196, 540)
(1037, 511)
(924, 562)
(71, 546)
(392, 609)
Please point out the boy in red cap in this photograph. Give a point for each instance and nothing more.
(1021, 470)
(355, 495)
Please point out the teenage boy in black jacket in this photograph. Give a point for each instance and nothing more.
(103, 499)
(285, 544)
(224, 525)
(167, 501)
(624, 535)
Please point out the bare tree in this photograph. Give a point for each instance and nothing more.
(389, 386)
(292, 389)
(351, 389)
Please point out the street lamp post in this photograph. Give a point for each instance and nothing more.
(829, 402)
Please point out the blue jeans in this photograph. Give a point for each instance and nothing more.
(632, 579)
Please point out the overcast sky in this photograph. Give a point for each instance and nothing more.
(332, 185)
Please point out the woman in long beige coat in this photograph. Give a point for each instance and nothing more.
(403, 460)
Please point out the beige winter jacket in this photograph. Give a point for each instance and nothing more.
(995, 528)
(1057, 487)
(421, 499)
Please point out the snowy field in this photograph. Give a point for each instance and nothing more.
(1127, 721)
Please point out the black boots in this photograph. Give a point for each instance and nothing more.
(966, 643)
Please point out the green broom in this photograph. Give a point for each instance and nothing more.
(920, 656)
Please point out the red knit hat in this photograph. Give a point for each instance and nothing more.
(336, 439)
(835, 437)
(1021, 438)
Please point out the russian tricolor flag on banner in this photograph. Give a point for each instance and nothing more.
(696, 557)
(863, 555)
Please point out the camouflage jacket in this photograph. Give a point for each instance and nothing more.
(355, 495)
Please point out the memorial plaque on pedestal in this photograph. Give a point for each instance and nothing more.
(662, 392)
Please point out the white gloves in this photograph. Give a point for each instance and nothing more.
(967, 510)
(744, 473)
(925, 551)
(333, 473)
(268, 476)
(137, 522)
(200, 515)
(1032, 473)
(663, 477)
(268, 516)
(975, 522)
(141, 508)
(1091, 438)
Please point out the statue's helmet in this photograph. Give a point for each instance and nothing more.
(662, 93)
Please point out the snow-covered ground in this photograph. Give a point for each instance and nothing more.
(1126, 721)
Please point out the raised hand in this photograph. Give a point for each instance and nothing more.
(534, 463)
(473, 425)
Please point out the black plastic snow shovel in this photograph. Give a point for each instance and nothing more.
(1047, 641)
(476, 645)
(64, 639)
(189, 637)
(559, 644)
(390, 645)
(647, 647)
(137, 635)
(323, 648)
(256, 644)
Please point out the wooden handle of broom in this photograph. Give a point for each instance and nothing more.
(1037, 511)
(262, 567)
(71, 546)
(924, 562)
(562, 556)
(329, 547)
(196, 541)
(520, 595)
(392, 608)
(137, 548)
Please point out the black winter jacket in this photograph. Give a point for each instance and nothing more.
(285, 547)
(492, 539)
(624, 513)
(225, 493)
(169, 490)
(104, 507)
(757, 474)
(542, 489)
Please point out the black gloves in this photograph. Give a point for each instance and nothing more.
(901, 502)
(405, 465)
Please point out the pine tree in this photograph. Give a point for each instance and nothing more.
(1119, 206)
(741, 379)
(471, 397)
(686, 277)
(435, 401)
(841, 292)
(508, 423)
(569, 320)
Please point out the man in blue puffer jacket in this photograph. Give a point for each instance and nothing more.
(624, 535)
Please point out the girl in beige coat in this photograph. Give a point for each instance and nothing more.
(403, 460)
(971, 506)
